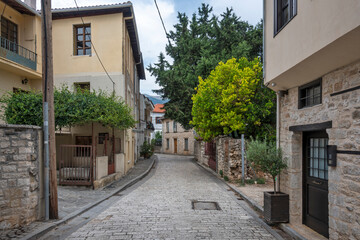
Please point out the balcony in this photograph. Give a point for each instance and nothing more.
(17, 53)
(150, 126)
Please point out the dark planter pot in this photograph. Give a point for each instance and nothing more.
(276, 207)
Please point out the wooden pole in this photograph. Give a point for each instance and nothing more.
(48, 93)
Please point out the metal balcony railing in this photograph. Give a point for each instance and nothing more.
(17, 53)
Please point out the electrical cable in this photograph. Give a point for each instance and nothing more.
(92, 44)
(162, 21)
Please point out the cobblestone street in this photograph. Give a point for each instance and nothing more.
(161, 208)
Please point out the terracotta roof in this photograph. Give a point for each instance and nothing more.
(159, 108)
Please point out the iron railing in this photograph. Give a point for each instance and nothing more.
(17, 53)
(76, 165)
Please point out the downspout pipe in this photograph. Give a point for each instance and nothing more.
(277, 185)
(277, 134)
(263, 42)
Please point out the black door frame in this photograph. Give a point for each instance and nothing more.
(306, 135)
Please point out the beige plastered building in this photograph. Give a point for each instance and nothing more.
(20, 47)
(312, 61)
(80, 38)
(176, 139)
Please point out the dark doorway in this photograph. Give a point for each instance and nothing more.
(210, 150)
(315, 185)
(175, 145)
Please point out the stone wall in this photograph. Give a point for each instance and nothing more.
(228, 157)
(21, 173)
(344, 181)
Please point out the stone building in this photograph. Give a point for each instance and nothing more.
(312, 61)
(146, 107)
(176, 139)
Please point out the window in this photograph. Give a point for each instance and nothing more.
(310, 94)
(174, 127)
(186, 144)
(82, 86)
(82, 40)
(158, 120)
(167, 143)
(167, 127)
(9, 33)
(284, 11)
(318, 167)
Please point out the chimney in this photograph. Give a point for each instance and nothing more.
(31, 3)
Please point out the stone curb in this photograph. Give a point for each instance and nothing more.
(283, 226)
(291, 232)
(247, 209)
(38, 233)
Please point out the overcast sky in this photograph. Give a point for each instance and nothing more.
(151, 33)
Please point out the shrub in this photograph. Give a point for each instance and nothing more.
(260, 181)
(226, 178)
(266, 157)
(146, 150)
(221, 173)
(249, 181)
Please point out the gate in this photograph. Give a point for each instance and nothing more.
(210, 150)
(76, 165)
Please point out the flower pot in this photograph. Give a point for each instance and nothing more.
(276, 207)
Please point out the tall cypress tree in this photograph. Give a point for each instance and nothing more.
(196, 46)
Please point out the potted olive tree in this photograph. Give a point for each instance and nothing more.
(269, 159)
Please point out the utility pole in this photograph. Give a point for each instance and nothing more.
(51, 203)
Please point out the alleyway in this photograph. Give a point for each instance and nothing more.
(161, 208)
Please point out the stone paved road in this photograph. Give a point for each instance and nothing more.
(161, 208)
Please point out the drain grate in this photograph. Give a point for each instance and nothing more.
(205, 205)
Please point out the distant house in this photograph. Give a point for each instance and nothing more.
(176, 139)
(20, 47)
(312, 60)
(156, 116)
(146, 126)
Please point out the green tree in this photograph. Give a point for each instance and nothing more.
(266, 157)
(195, 47)
(228, 100)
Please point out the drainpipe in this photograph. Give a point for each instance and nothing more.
(277, 134)
(263, 42)
(277, 185)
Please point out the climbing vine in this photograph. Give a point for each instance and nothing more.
(71, 108)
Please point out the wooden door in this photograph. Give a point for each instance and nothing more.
(315, 208)
(175, 145)
(210, 150)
